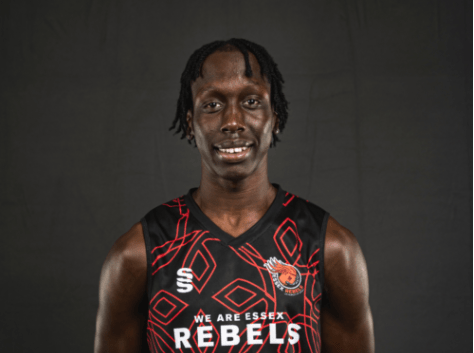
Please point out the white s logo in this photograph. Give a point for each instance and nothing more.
(184, 280)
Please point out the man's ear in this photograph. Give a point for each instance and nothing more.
(189, 128)
(276, 125)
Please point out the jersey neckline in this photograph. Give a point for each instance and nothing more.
(250, 234)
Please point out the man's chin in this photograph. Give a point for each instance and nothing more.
(233, 172)
(236, 172)
(235, 175)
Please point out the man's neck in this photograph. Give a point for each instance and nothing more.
(235, 197)
(235, 206)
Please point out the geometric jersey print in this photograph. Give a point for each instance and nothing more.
(259, 292)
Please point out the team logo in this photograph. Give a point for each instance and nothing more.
(184, 280)
(286, 277)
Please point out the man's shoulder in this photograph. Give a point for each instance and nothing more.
(339, 238)
(175, 206)
(346, 307)
(339, 241)
(129, 249)
(343, 258)
(301, 203)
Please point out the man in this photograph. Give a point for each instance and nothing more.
(238, 263)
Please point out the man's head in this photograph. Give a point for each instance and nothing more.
(232, 105)
(268, 69)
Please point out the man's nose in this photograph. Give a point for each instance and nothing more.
(233, 119)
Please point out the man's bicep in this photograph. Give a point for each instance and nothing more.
(121, 317)
(346, 318)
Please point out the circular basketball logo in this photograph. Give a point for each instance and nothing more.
(286, 277)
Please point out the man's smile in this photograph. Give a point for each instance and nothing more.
(232, 150)
(233, 155)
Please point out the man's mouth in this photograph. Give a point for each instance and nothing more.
(232, 150)
(234, 154)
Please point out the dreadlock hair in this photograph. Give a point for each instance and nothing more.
(268, 69)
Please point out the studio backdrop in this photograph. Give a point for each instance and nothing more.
(379, 134)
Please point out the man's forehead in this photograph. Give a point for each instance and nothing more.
(223, 61)
(223, 66)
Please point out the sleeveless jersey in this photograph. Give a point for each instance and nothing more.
(210, 292)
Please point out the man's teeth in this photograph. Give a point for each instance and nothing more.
(233, 150)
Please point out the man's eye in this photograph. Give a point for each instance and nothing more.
(212, 105)
(252, 102)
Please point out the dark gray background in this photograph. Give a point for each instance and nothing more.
(379, 134)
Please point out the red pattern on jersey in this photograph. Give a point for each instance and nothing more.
(164, 307)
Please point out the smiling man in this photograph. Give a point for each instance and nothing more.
(237, 263)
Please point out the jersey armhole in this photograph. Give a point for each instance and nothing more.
(323, 242)
(146, 236)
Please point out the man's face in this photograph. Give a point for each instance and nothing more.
(232, 119)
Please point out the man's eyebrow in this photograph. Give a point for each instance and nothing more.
(207, 89)
(217, 89)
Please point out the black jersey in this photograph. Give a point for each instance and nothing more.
(210, 292)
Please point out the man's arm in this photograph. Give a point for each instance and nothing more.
(121, 317)
(346, 319)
